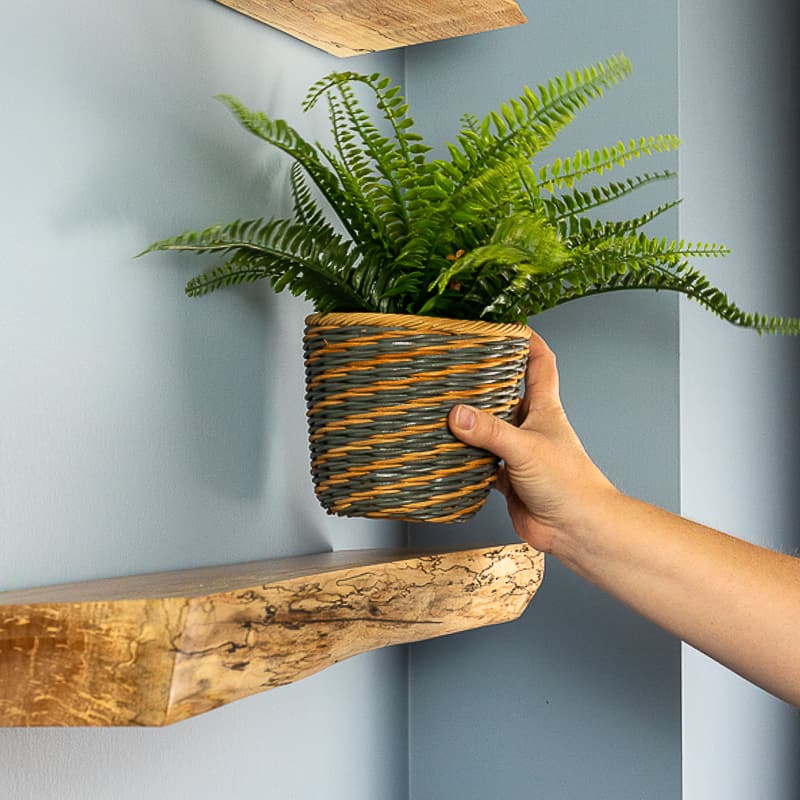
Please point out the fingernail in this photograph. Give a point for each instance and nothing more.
(465, 417)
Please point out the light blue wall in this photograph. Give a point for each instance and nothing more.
(140, 431)
(579, 698)
(740, 435)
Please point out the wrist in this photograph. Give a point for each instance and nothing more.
(580, 543)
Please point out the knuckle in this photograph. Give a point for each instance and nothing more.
(493, 431)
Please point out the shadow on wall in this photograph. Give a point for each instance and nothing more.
(158, 108)
(167, 156)
(226, 399)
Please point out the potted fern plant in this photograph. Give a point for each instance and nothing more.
(423, 272)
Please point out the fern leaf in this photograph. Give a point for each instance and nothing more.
(558, 102)
(560, 207)
(283, 136)
(289, 254)
(564, 173)
(480, 233)
(240, 268)
(240, 234)
(695, 285)
(579, 231)
(527, 124)
(639, 263)
(306, 210)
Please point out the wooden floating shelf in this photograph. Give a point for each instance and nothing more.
(157, 649)
(353, 27)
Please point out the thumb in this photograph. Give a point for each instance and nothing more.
(484, 430)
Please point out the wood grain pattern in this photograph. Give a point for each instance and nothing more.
(156, 649)
(351, 27)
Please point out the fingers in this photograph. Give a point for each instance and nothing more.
(502, 483)
(507, 441)
(519, 413)
(484, 430)
(541, 376)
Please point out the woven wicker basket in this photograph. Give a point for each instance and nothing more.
(379, 389)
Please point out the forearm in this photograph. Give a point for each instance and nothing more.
(737, 602)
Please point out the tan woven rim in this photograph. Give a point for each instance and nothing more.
(420, 323)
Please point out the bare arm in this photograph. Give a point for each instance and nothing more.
(737, 602)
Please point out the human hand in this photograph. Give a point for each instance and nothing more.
(735, 601)
(548, 480)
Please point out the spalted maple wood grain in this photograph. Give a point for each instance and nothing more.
(350, 27)
(156, 649)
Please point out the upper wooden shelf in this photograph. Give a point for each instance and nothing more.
(353, 27)
(156, 649)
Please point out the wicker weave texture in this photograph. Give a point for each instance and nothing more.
(379, 389)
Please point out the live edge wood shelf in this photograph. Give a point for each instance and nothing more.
(156, 649)
(351, 27)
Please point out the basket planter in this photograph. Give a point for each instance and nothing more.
(379, 389)
(379, 222)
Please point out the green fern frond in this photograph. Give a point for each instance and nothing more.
(634, 254)
(523, 241)
(281, 250)
(577, 201)
(306, 209)
(251, 234)
(470, 122)
(687, 281)
(284, 137)
(240, 268)
(404, 143)
(561, 98)
(579, 231)
(371, 157)
(526, 124)
(482, 233)
(382, 170)
(370, 229)
(655, 264)
(564, 173)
